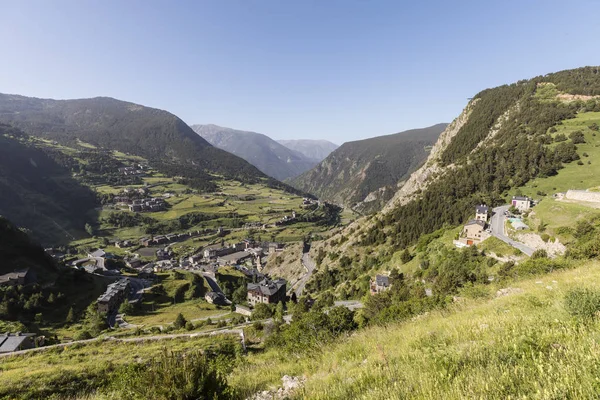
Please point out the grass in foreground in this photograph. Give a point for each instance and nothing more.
(522, 345)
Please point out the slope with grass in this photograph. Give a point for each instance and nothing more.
(369, 171)
(517, 342)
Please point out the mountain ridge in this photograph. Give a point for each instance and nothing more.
(364, 174)
(266, 154)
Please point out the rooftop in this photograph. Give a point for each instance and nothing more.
(10, 342)
(382, 280)
(267, 287)
(475, 222)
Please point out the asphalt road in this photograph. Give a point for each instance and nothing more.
(497, 226)
(309, 265)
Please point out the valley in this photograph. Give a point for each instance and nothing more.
(144, 258)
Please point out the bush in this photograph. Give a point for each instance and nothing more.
(577, 137)
(540, 253)
(545, 237)
(583, 303)
(173, 376)
(189, 326)
(560, 137)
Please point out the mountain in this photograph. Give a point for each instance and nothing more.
(38, 193)
(156, 135)
(506, 138)
(364, 174)
(312, 149)
(259, 150)
(18, 251)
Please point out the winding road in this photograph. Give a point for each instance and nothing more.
(497, 226)
(309, 265)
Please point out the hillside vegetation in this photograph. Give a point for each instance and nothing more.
(365, 174)
(39, 193)
(156, 135)
(523, 341)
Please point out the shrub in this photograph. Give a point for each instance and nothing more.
(583, 303)
(189, 326)
(560, 137)
(577, 137)
(172, 376)
(540, 253)
(545, 237)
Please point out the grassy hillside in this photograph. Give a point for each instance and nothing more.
(264, 153)
(356, 169)
(522, 344)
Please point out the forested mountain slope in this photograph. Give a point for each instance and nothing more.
(364, 174)
(18, 251)
(264, 153)
(316, 150)
(40, 194)
(503, 139)
(157, 135)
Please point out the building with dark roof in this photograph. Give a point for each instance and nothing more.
(481, 212)
(10, 342)
(267, 291)
(234, 258)
(381, 283)
(114, 295)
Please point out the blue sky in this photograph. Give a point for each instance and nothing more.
(322, 69)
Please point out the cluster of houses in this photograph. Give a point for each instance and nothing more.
(286, 219)
(129, 194)
(114, 295)
(136, 170)
(477, 230)
(152, 204)
(18, 278)
(307, 202)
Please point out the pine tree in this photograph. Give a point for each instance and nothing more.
(71, 316)
(180, 321)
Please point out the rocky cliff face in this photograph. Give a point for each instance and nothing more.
(432, 168)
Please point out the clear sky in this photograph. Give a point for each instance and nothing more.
(337, 70)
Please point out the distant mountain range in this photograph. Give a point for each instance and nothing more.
(365, 174)
(312, 149)
(279, 160)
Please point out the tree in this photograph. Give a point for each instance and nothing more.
(89, 229)
(180, 321)
(126, 308)
(577, 137)
(94, 320)
(70, 316)
(279, 311)
(51, 298)
(405, 257)
(240, 294)
(261, 311)
(189, 326)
